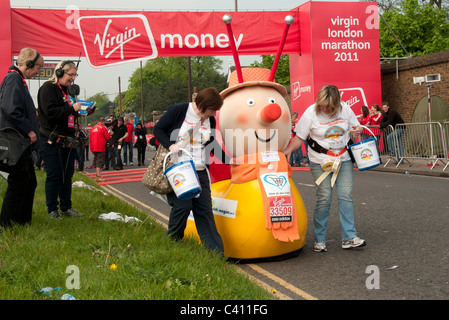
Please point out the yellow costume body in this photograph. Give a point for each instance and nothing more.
(245, 236)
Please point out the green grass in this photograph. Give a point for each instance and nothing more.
(149, 264)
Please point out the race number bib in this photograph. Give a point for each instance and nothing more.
(281, 209)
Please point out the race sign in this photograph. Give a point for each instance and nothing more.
(46, 71)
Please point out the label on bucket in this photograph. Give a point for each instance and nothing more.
(183, 179)
(365, 154)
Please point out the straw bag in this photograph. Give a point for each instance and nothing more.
(154, 178)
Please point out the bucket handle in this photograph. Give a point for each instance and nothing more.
(166, 156)
(365, 127)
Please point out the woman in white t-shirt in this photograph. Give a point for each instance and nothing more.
(329, 122)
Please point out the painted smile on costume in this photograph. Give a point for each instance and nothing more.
(265, 140)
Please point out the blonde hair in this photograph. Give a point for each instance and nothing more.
(68, 65)
(27, 54)
(328, 96)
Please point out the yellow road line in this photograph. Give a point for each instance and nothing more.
(262, 284)
(256, 268)
(283, 283)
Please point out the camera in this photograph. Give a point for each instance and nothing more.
(64, 141)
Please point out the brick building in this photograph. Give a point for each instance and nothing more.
(403, 95)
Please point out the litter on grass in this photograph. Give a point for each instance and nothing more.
(82, 184)
(115, 216)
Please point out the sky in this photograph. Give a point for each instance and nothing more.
(109, 84)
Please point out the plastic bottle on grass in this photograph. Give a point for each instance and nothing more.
(49, 290)
(67, 296)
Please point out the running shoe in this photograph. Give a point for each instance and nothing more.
(353, 243)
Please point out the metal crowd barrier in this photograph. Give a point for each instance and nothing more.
(408, 141)
(446, 139)
(423, 140)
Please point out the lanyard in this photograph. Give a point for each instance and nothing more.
(24, 82)
(69, 101)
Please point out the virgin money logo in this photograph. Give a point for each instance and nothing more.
(354, 98)
(297, 90)
(116, 39)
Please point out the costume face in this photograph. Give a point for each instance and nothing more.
(254, 119)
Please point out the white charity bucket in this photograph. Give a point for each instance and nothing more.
(365, 153)
(183, 178)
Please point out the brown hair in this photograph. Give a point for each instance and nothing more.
(208, 98)
(365, 111)
(328, 96)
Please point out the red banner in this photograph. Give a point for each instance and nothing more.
(341, 47)
(108, 38)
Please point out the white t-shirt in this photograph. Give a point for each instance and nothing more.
(196, 145)
(330, 133)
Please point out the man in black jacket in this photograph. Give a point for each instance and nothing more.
(392, 117)
(18, 111)
(119, 135)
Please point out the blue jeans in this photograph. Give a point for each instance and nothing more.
(127, 146)
(296, 156)
(396, 134)
(59, 164)
(323, 200)
(80, 156)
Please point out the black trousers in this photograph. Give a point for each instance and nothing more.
(202, 213)
(141, 152)
(17, 206)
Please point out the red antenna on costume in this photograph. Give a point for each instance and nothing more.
(227, 20)
(288, 21)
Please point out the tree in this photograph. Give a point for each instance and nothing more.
(421, 29)
(102, 104)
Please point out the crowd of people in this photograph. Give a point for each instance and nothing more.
(378, 119)
(109, 137)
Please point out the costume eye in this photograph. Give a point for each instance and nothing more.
(271, 100)
(251, 102)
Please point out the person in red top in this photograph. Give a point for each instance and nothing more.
(365, 120)
(97, 142)
(376, 117)
(128, 143)
(365, 117)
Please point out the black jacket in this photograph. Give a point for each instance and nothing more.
(54, 111)
(391, 117)
(141, 133)
(17, 106)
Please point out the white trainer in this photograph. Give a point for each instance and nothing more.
(353, 243)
